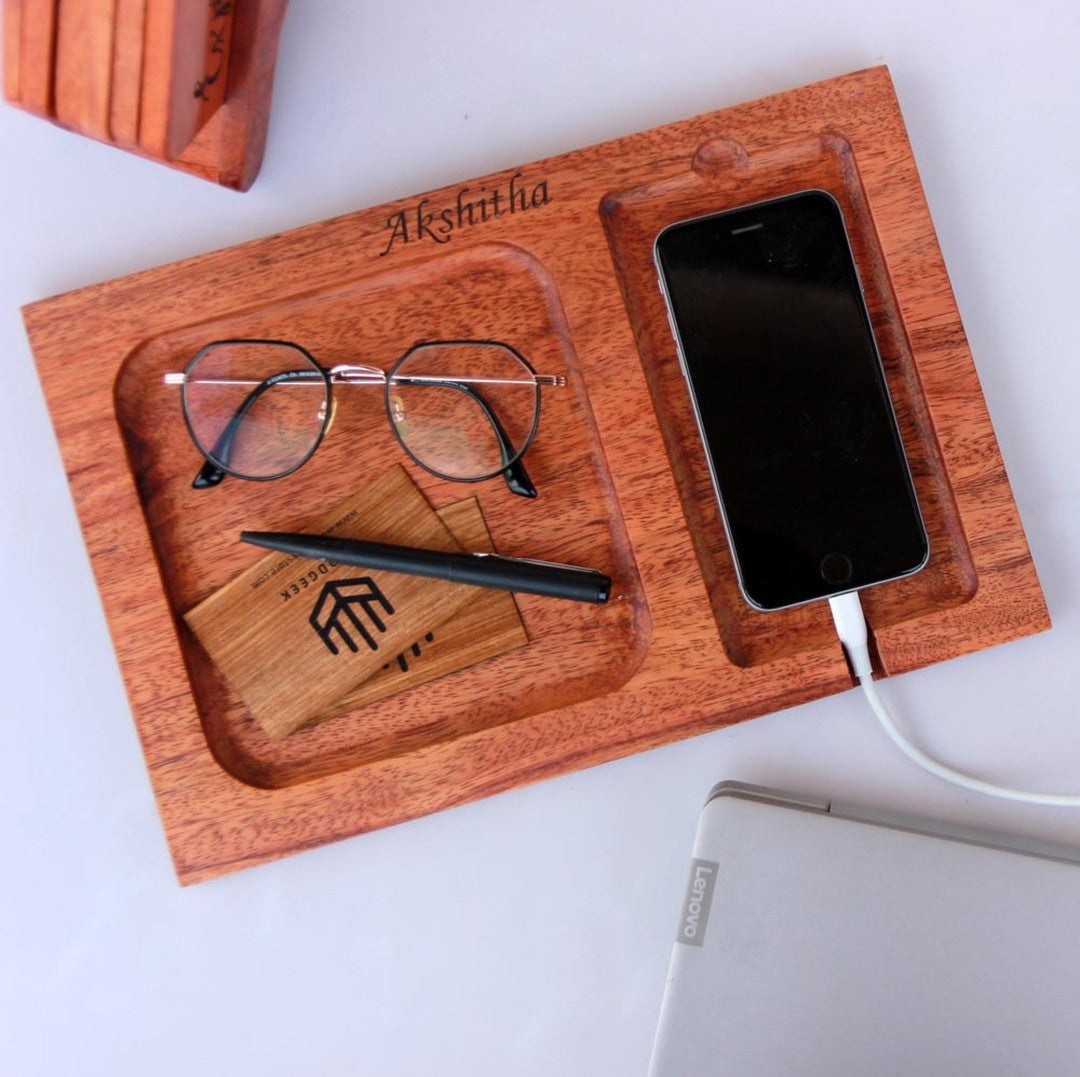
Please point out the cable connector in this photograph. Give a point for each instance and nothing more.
(851, 628)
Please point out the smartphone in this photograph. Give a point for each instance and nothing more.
(791, 401)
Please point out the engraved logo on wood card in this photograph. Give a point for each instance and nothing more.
(403, 658)
(341, 610)
(470, 208)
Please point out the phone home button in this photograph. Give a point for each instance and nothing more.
(836, 568)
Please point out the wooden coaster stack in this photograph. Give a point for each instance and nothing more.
(150, 76)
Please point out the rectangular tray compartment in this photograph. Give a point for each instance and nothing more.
(576, 651)
(721, 175)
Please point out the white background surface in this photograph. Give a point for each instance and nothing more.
(529, 933)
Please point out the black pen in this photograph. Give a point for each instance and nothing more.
(477, 569)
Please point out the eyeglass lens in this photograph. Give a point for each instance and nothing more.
(256, 409)
(463, 410)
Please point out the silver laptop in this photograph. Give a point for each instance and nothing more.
(819, 939)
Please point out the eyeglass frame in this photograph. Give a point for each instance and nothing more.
(513, 469)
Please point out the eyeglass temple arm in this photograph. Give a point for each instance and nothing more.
(210, 474)
(516, 477)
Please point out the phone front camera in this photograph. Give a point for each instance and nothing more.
(784, 250)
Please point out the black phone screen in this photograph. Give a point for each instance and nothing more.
(791, 400)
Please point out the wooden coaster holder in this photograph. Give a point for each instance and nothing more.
(555, 257)
(227, 149)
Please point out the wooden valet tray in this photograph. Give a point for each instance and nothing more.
(555, 258)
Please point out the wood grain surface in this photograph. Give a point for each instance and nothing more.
(127, 69)
(82, 79)
(36, 57)
(553, 257)
(12, 30)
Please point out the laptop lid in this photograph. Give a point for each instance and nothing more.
(824, 939)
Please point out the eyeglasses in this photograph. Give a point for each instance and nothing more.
(464, 410)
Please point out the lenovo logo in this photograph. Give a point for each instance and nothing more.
(695, 912)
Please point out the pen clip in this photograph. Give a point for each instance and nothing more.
(540, 564)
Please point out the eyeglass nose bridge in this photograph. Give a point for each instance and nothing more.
(356, 374)
(349, 374)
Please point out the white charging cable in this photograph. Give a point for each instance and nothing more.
(851, 628)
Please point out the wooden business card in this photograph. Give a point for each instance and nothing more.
(487, 626)
(293, 635)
